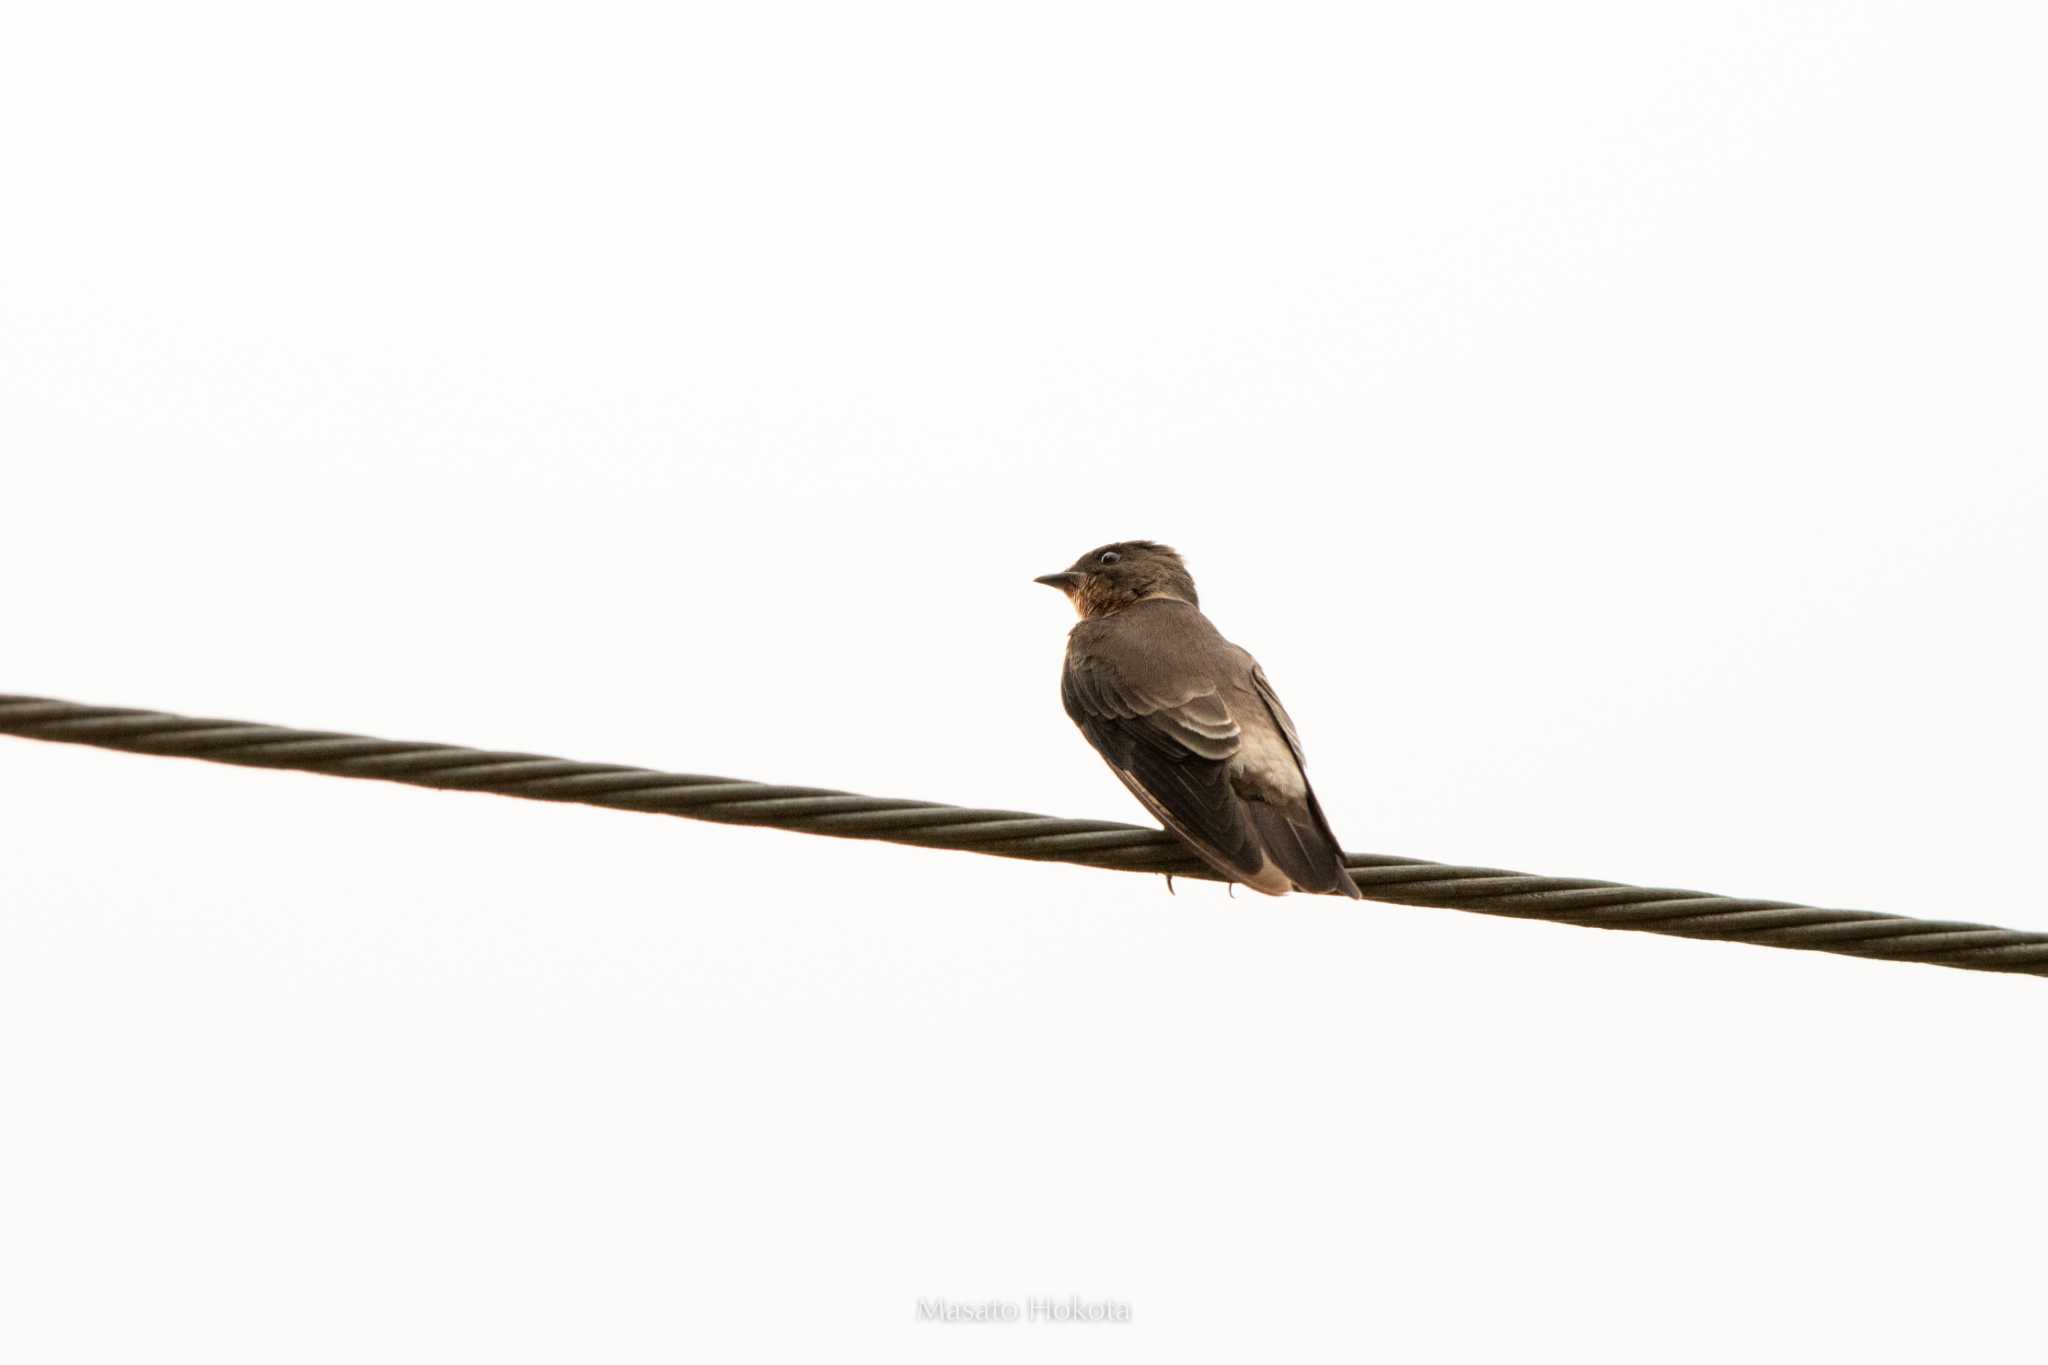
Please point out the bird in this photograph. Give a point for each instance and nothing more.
(1189, 723)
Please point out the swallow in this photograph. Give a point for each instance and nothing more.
(1189, 723)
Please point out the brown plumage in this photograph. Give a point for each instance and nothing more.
(1189, 723)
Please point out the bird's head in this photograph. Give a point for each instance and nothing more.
(1111, 577)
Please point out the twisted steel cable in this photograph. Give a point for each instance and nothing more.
(1017, 834)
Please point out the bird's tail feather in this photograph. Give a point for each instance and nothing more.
(1305, 850)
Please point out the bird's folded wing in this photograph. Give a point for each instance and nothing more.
(1310, 852)
(1174, 749)
(1280, 716)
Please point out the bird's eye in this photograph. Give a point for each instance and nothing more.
(1110, 557)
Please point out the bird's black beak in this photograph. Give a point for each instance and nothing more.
(1066, 580)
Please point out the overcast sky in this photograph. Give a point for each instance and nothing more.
(1617, 428)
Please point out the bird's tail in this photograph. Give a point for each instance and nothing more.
(1305, 850)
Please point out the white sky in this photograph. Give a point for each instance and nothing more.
(1617, 428)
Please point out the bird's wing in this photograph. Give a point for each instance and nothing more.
(1172, 746)
(1280, 716)
(1312, 855)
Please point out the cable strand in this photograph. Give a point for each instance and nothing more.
(1017, 834)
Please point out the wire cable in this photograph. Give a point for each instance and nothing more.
(1017, 834)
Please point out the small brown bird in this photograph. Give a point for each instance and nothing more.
(1189, 722)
